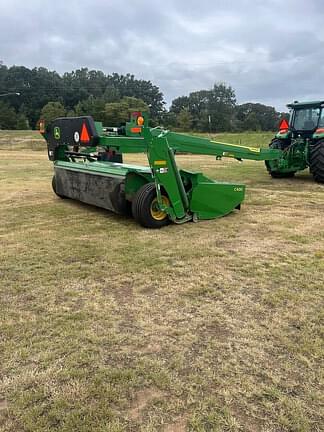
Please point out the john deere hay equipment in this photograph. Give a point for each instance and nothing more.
(301, 141)
(88, 167)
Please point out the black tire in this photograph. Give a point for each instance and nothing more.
(316, 164)
(54, 188)
(281, 145)
(142, 207)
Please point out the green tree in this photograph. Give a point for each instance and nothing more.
(51, 111)
(92, 106)
(8, 116)
(179, 104)
(221, 105)
(111, 94)
(22, 122)
(128, 85)
(117, 113)
(252, 122)
(216, 105)
(169, 119)
(76, 85)
(198, 107)
(184, 119)
(38, 86)
(70, 113)
(256, 116)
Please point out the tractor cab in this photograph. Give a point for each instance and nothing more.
(306, 118)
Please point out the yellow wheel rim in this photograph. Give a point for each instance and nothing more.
(156, 212)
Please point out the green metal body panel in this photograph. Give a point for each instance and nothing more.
(197, 145)
(189, 144)
(212, 199)
(102, 168)
(294, 158)
(204, 198)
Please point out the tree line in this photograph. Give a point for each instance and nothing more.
(109, 98)
(216, 110)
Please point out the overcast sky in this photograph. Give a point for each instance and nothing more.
(269, 51)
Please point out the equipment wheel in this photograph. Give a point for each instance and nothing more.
(145, 207)
(317, 160)
(54, 188)
(278, 144)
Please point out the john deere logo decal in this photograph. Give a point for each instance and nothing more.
(57, 133)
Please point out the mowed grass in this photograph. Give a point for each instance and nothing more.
(21, 140)
(213, 326)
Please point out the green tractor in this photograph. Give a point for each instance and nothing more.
(301, 141)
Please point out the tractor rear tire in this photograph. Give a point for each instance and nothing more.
(144, 210)
(317, 161)
(278, 144)
(54, 188)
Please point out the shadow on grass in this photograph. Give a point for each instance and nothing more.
(124, 219)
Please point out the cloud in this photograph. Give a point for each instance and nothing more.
(269, 52)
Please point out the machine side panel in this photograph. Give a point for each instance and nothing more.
(211, 199)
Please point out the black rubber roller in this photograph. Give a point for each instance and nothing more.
(94, 189)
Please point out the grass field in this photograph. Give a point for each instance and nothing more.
(106, 326)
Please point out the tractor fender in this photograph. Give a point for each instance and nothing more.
(282, 135)
(318, 134)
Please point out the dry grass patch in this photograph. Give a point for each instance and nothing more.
(214, 326)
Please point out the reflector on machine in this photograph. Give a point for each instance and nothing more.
(283, 124)
(85, 137)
